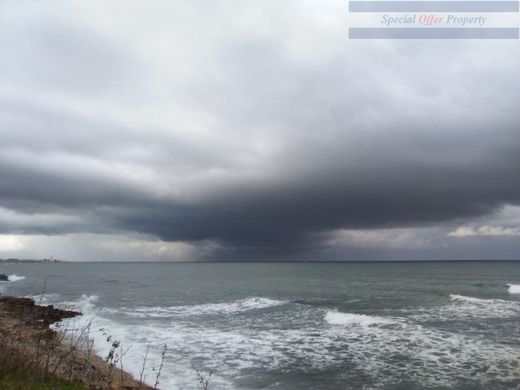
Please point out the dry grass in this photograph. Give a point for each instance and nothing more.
(34, 357)
(31, 352)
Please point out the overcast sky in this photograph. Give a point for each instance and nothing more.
(175, 130)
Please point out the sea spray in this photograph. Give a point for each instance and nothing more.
(15, 278)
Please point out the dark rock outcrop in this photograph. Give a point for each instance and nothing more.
(26, 310)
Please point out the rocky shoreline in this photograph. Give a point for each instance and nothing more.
(28, 343)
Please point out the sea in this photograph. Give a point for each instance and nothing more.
(352, 325)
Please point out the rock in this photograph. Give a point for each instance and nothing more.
(26, 310)
(4, 278)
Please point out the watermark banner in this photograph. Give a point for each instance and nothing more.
(442, 19)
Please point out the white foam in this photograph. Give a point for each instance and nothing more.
(137, 337)
(476, 301)
(225, 308)
(337, 318)
(467, 308)
(84, 304)
(431, 356)
(483, 308)
(514, 288)
(15, 278)
(45, 299)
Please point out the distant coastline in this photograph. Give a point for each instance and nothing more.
(17, 261)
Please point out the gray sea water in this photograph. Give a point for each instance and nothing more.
(428, 325)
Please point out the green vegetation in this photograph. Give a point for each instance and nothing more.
(17, 383)
(16, 374)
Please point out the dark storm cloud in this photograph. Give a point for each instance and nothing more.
(283, 212)
(253, 136)
(390, 193)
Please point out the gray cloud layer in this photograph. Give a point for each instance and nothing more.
(258, 127)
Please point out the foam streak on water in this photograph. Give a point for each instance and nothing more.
(225, 308)
(236, 345)
(335, 318)
(399, 326)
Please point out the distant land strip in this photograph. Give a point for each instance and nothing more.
(31, 261)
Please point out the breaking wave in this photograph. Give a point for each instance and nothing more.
(483, 308)
(145, 327)
(313, 338)
(224, 308)
(467, 309)
(10, 278)
(337, 318)
(514, 288)
(15, 278)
